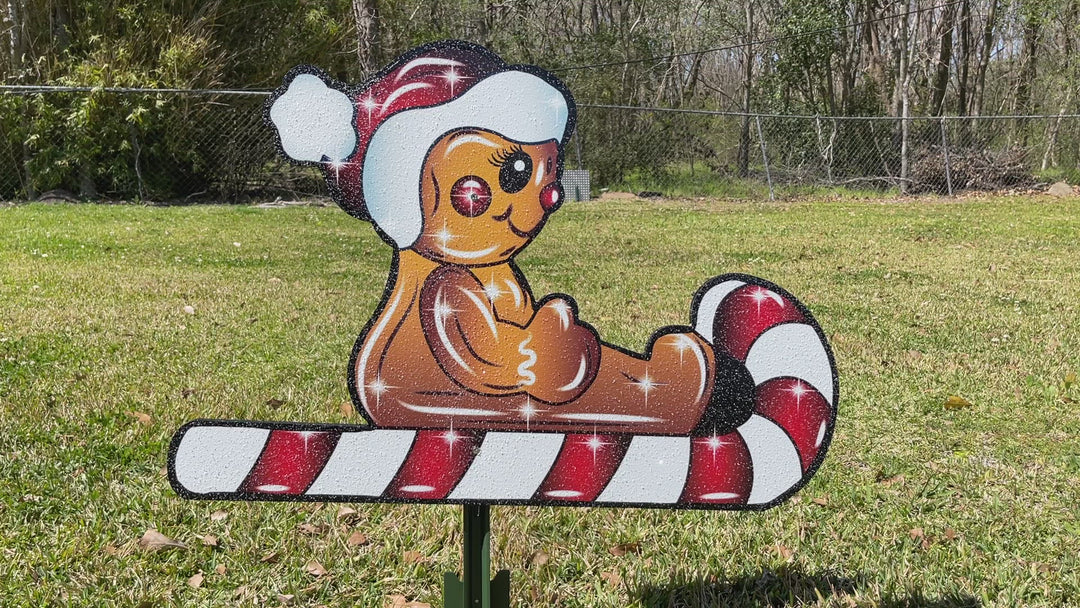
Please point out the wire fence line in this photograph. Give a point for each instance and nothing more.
(211, 145)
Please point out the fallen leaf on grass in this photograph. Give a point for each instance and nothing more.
(285, 598)
(274, 403)
(144, 419)
(109, 548)
(891, 480)
(347, 515)
(612, 579)
(189, 309)
(209, 540)
(241, 592)
(196, 581)
(537, 559)
(399, 601)
(218, 515)
(357, 539)
(956, 402)
(187, 392)
(347, 409)
(152, 540)
(821, 501)
(950, 534)
(221, 569)
(311, 529)
(314, 568)
(413, 557)
(623, 548)
(919, 535)
(785, 552)
(270, 558)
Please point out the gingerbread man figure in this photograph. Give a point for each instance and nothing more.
(455, 157)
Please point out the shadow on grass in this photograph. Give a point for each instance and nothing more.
(783, 587)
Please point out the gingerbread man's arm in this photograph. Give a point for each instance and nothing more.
(552, 358)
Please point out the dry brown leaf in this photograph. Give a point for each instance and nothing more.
(311, 529)
(538, 559)
(110, 549)
(196, 581)
(221, 569)
(270, 558)
(187, 392)
(347, 409)
(950, 534)
(821, 501)
(623, 548)
(785, 552)
(241, 591)
(144, 419)
(916, 533)
(152, 540)
(189, 309)
(347, 514)
(274, 403)
(413, 557)
(891, 480)
(286, 598)
(357, 539)
(612, 579)
(314, 568)
(956, 402)
(400, 601)
(209, 540)
(218, 515)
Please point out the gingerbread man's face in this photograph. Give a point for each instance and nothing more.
(485, 197)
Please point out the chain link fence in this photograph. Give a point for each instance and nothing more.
(212, 146)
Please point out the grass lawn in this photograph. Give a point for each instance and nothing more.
(916, 505)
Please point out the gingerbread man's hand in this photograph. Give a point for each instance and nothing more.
(568, 352)
(553, 358)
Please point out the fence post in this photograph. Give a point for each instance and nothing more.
(764, 157)
(577, 145)
(945, 149)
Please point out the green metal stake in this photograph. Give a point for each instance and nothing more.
(473, 589)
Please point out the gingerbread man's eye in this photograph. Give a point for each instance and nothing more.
(470, 196)
(515, 172)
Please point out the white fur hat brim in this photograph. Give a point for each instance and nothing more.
(517, 105)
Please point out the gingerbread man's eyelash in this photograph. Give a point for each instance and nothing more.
(500, 157)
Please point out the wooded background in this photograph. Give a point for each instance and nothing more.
(832, 58)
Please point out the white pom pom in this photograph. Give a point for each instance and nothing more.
(314, 121)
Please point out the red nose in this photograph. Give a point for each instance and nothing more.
(551, 196)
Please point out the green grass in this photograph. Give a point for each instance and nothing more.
(686, 180)
(921, 300)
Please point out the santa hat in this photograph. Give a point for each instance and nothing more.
(372, 141)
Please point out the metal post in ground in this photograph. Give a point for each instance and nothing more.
(474, 589)
(765, 158)
(945, 150)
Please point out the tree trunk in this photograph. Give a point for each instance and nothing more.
(944, 59)
(14, 15)
(965, 63)
(748, 75)
(366, 15)
(984, 59)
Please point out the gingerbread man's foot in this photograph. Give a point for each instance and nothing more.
(774, 404)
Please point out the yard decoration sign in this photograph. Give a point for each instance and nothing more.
(476, 391)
